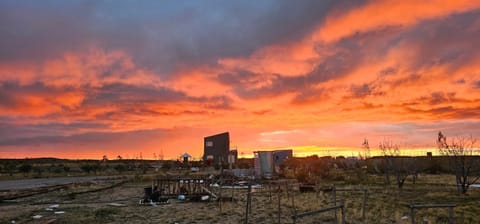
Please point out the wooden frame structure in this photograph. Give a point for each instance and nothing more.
(190, 187)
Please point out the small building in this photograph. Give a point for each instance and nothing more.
(267, 163)
(263, 164)
(216, 148)
(185, 157)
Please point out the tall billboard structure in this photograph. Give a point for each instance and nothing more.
(216, 148)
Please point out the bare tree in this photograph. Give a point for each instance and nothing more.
(459, 152)
(366, 149)
(401, 167)
(389, 150)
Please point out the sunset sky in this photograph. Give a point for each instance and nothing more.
(82, 79)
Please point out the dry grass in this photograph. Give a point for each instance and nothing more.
(384, 205)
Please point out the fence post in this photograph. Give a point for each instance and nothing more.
(293, 201)
(270, 191)
(250, 198)
(335, 201)
(363, 204)
(450, 215)
(220, 194)
(233, 192)
(412, 214)
(248, 202)
(343, 212)
(279, 208)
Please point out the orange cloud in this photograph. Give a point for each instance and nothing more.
(38, 99)
(94, 68)
(292, 59)
(388, 13)
(383, 69)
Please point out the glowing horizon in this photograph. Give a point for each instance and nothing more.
(85, 79)
(298, 151)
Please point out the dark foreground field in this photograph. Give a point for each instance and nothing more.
(91, 202)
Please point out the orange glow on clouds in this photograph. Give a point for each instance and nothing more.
(388, 13)
(378, 70)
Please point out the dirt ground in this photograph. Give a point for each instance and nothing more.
(75, 204)
(41, 182)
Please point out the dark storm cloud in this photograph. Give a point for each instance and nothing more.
(411, 79)
(348, 54)
(158, 34)
(431, 40)
(127, 99)
(441, 97)
(448, 112)
(32, 30)
(119, 93)
(460, 81)
(332, 67)
(84, 138)
(13, 94)
(310, 95)
(360, 91)
(437, 98)
(451, 41)
(364, 106)
(476, 84)
(388, 71)
(9, 130)
(127, 94)
(458, 127)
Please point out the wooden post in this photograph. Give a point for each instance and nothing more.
(220, 194)
(343, 212)
(270, 191)
(335, 201)
(250, 197)
(363, 204)
(248, 202)
(293, 202)
(174, 190)
(153, 185)
(233, 192)
(412, 214)
(450, 216)
(279, 208)
(286, 190)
